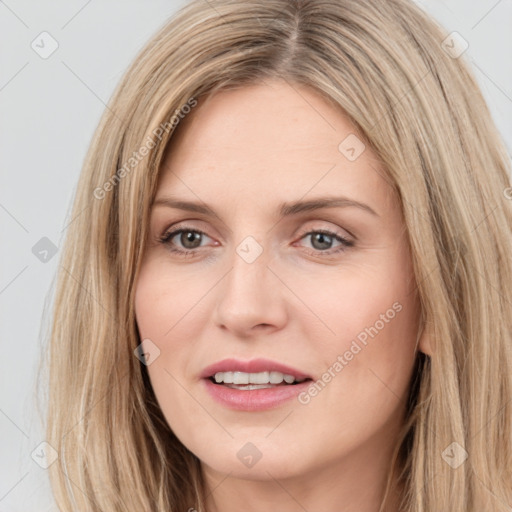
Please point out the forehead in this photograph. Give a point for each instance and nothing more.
(268, 140)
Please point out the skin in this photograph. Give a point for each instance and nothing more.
(244, 152)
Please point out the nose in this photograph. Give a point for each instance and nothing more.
(250, 298)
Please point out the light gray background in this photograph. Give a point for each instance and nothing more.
(49, 109)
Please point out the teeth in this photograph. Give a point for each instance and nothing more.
(276, 377)
(228, 378)
(257, 378)
(250, 387)
(254, 378)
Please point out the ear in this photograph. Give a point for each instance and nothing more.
(424, 343)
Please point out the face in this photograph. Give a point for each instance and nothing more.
(277, 247)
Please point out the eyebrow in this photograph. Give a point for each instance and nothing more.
(285, 209)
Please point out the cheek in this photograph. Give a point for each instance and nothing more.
(161, 305)
(368, 350)
(163, 299)
(152, 305)
(365, 371)
(359, 304)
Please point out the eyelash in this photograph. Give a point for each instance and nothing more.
(168, 236)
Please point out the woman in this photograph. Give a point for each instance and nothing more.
(288, 280)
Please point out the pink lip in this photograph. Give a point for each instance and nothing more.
(256, 399)
(252, 366)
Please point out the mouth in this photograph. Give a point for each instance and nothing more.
(255, 385)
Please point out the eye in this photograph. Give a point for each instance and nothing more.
(322, 241)
(189, 239)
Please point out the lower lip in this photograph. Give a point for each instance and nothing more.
(255, 399)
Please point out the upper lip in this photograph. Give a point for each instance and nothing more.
(252, 366)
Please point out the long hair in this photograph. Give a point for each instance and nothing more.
(389, 68)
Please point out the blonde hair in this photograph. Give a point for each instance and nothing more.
(384, 65)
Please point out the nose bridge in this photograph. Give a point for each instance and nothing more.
(248, 298)
(247, 279)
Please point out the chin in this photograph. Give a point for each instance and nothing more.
(259, 459)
